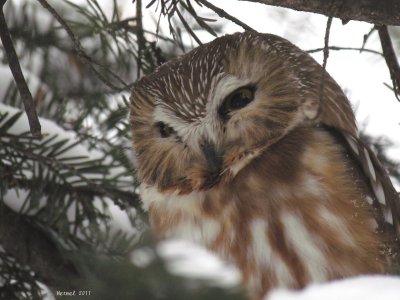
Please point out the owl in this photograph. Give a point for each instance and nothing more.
(248, 147)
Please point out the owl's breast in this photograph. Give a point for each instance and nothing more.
(289, 217)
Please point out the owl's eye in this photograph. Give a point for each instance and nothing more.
(236, 100)
(164, 130)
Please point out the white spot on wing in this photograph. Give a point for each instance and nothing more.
(379, 193)
(387, 213)
(370, 165)
(369, 200)
(352, 144)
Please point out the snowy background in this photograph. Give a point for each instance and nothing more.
(361, 75)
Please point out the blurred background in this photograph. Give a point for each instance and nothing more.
(70, 214)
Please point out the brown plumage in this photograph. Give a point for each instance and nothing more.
(239, 150)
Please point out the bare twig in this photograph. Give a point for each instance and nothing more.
(337, 48)
(81, 53)
(367, 36)
(223, 14)
(326, 55)
(326, 42)
(139, 35)
(15, 67)
(391, 59)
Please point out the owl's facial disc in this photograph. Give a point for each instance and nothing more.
(200, 146)
(213, 145)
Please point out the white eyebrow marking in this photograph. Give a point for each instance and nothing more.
(223, 84)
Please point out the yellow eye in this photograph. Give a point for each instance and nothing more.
(236, 100)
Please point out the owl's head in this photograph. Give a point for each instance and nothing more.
(200, 119)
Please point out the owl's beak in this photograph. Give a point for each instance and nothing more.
(213, 158)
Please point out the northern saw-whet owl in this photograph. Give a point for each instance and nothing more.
(243, 146)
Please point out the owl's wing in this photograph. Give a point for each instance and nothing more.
(332, 110)
(336, 114)
(385, 199)
(372, 178)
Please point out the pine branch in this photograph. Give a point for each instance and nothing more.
(66, 170)
(82, 54)
(80, 175)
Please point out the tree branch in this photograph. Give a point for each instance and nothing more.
(19, 78)
(140, 36)
(31, 247)
(372, 11)
(391, 59)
